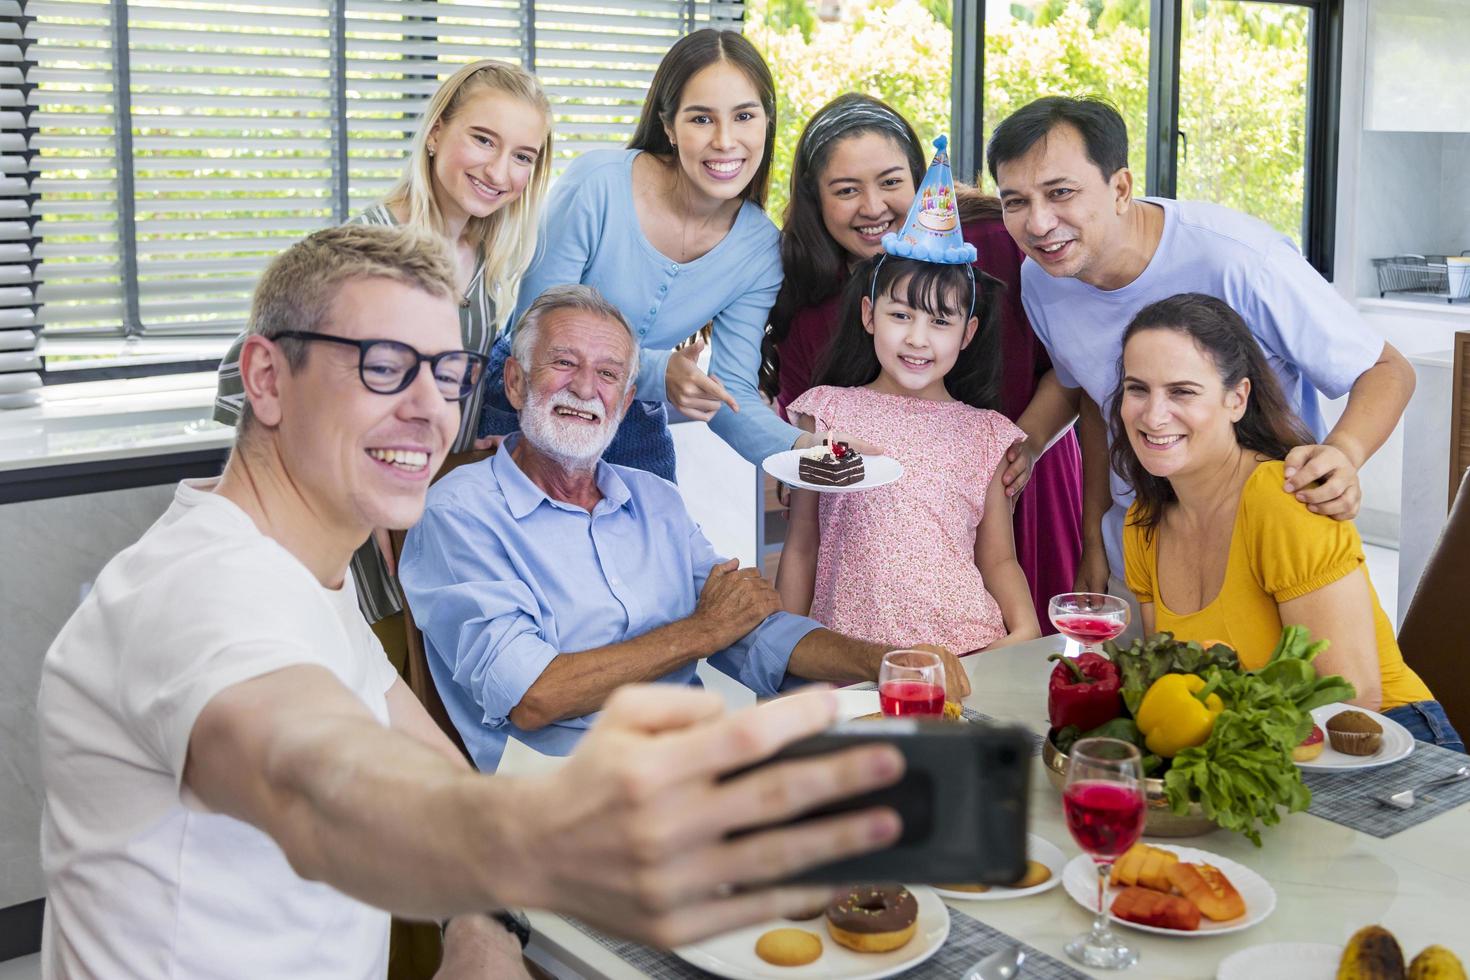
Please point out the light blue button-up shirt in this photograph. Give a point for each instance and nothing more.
(502, 578)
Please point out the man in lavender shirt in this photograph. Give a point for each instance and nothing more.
(1096, 255)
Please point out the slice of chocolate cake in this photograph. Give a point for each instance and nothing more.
(831, 465)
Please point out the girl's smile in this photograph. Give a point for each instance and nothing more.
(916, 349)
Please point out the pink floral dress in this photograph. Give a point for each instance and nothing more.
(897, 564)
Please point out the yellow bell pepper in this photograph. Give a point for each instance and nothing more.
(1178, 712)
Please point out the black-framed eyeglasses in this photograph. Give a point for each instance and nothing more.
(386, 367)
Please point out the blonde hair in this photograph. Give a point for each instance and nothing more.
(299, 288)
(507, 237)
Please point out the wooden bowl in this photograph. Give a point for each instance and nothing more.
(1161, 820)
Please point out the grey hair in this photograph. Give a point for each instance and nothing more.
(574, 296)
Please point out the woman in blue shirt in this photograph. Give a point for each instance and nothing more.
(672, 231)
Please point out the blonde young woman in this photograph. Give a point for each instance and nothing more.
(477, 176)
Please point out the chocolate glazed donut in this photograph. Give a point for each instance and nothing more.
(873, 918)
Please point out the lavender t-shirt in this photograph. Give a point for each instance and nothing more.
(1313, 338)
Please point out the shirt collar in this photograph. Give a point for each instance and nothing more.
(523, 496)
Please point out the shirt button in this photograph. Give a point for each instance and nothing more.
(674, 268)
(642, 331)
(652, 310)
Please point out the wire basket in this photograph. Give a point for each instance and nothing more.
(1428, 275)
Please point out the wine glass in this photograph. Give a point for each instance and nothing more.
(911, 684)
(1104, 803)
(1090, 618)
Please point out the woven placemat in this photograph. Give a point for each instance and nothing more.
(969, 940)
(1347, 797)
(971, 715)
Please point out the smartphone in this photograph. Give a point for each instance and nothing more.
(962, 799)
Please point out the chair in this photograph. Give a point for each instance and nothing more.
(419, 680)
(1433, 636)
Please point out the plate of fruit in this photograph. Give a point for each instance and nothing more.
(1175, 891)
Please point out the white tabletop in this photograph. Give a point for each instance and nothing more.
(1329, 880)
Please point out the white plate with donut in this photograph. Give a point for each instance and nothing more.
(733, 954)
(1038, 849)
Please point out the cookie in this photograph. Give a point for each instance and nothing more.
(789, 947)
(1036, 873)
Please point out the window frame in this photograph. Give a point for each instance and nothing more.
(1324, 92)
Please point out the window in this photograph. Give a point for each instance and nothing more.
(1243, 69)
(818, 51)
(1232, 101)
(172, 147)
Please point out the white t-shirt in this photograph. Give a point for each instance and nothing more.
(1312, 337)
(142, 880)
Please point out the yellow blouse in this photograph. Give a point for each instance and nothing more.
(1279, 551)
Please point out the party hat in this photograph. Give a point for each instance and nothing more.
(931, 233)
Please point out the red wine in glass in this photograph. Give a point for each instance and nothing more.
(910, 699)
(1104, 804)
(1088, 629)
(1088, 618)
(1105, 818)
(911, 684)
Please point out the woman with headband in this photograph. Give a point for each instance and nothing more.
(857, 168)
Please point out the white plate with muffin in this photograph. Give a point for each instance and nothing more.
(1350, 741)
(1043, 873)
(892, 934)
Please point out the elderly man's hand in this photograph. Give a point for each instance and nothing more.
(733, 602)
(1338, 495)
(956, 681)
(632, 835)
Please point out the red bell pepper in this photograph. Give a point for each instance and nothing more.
(1085, 691)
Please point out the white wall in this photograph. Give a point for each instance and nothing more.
(52, 547)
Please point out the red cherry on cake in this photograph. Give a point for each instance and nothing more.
(839, 449)
(1311, 746)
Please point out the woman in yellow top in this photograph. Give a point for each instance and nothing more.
(1212, 546)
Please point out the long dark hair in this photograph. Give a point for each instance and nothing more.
(936, 289)
(814, 264)
(690, 55)
(1268, 428)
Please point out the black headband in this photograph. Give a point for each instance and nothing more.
(856, 115)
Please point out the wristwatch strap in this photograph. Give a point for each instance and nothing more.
(514, 922)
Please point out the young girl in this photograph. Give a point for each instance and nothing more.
(854, 175)
(930, 555)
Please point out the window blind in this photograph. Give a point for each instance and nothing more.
(175, 146)
(20, 379)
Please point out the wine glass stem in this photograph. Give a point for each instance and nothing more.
(1100, 921)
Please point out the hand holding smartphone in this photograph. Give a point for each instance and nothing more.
(962, 799)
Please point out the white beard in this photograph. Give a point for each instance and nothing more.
(571, 443)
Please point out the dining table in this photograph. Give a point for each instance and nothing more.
(1329, 880)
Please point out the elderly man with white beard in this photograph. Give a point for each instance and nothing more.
(544, 578)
